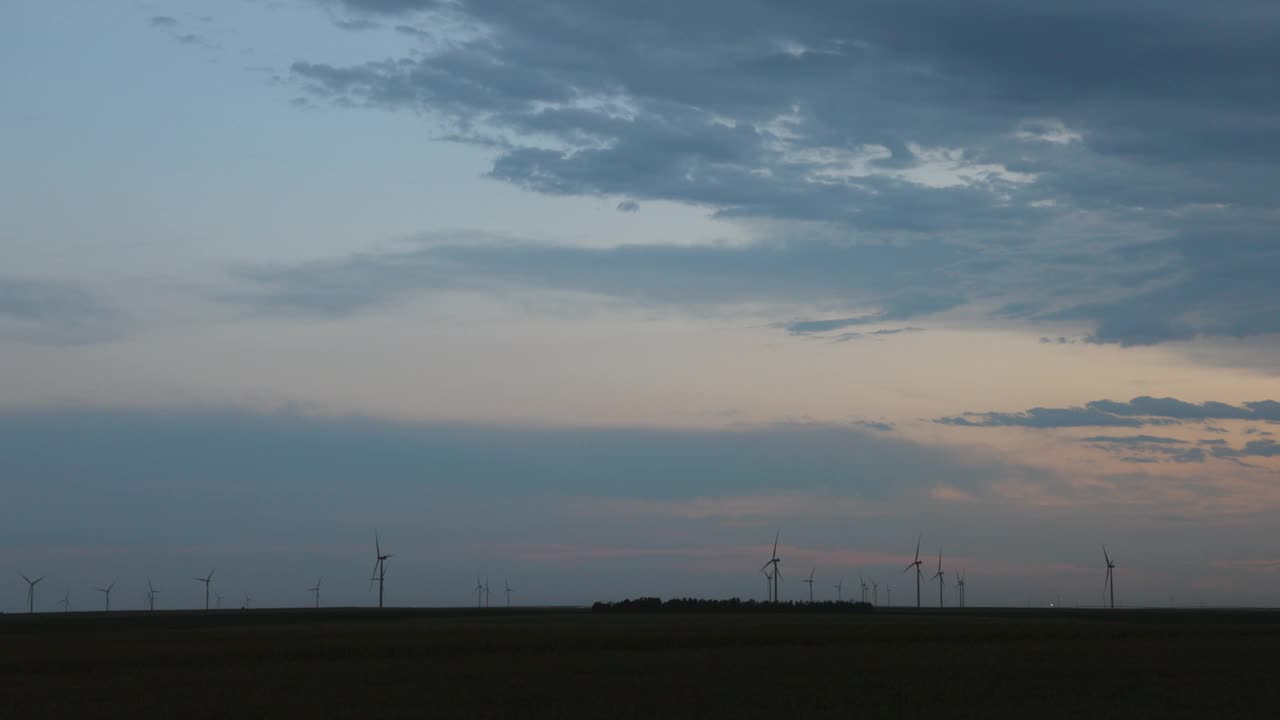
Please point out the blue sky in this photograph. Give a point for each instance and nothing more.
(598, 297)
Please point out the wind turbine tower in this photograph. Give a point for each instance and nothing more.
(810, 581)
(875, 593)
(31, 592)
(839, 590)
(107, 592)
(379, 567)
(960, 587)
(151, 596)
(776, 573)
(1110, 582)
(316, 591)
(206, 580)
(919, 573)
(941, 580)
(486, 591)
(479, 591)
(508, 591)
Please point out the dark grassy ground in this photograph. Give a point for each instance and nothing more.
(500, 664)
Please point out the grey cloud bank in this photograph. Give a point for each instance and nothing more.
(1109, 161)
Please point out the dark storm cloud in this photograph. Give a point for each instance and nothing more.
(44, 312)
(992, 123)
(1138, 412)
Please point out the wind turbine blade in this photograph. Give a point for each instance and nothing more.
(775, 542)
(377, 546)
(762, 567)
(1105, 555)
(918, 539)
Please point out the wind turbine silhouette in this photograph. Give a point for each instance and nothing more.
(875, 592)
(316, 590)
(941, 580)
(839, 590)
(479, 593)
(486, 591)
(247, 600)
(66, 601)
(206, 580)
(810, 581)
(379, 567)
(151, 596)
(960, 587)
(1110, 582)
(863, 585)
(916, 564)
(508, 591)
(217, 597)
(31, 592)
(776, 573)
(107, 592)
(888, 601)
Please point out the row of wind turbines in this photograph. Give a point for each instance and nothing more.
(378, 577)
(771, 569)
(773, 573)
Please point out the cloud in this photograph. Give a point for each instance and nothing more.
(1138, 412)
(1133, 440)
(628, 206)
(1254, 448)
(1047, 139)
(805, 271)
(53, 313)
(163, 21)
(1042, 417)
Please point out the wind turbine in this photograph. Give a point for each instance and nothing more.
(508, 591)
(810, 581)
(379, 567)
(1110, 582)
(916, 564)
(773, 560)
(316, 590)
(863, 585)
(839, 590)
(151, 596)
(206, 580)
(107, 592)
(31, 592)
(875, 592)
(66, 601)
(486, 591)
(217, 597)
(768, 585)
(247, 600)
(942, 581)
(960, 588)
(479, 593)
(888, 601)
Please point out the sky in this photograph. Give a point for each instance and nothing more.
(593, 298)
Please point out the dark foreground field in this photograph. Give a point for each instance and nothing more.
(1022, 664)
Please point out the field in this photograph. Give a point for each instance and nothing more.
(567, 663)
